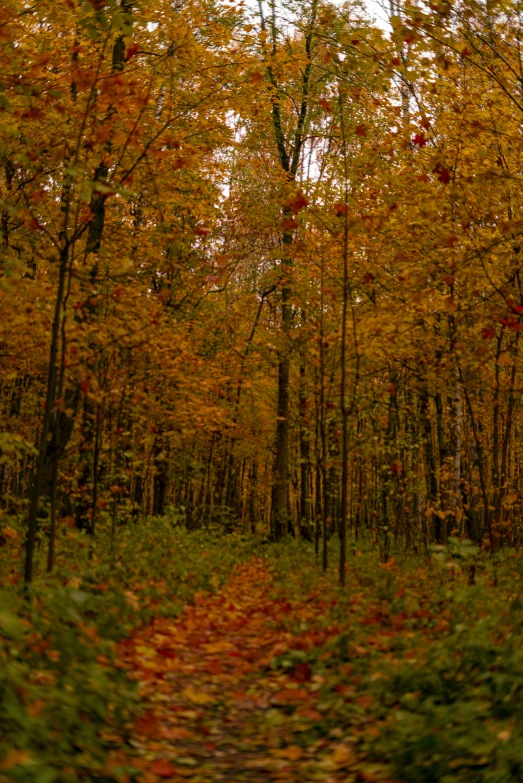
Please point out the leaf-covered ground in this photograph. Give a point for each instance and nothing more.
(407, 675)
(184, 657)
(217, 706)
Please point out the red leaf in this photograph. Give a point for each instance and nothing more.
(255, 77)
(297, 202)
(325, 105)
(443, 174)
(162, 768)
(290, 696)
(302, 672)
(132, 50)
(147, 724)
(289, 224)
(166, 652)
(420, 139)
(361, 130)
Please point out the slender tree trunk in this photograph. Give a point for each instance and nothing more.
(289, 154)
(280, 496)
(505, 453)
(86, 511)
(443, 453)
(305, 488)
(346, 407)
(160, 480)
(52, 380)
(458, 413)
(430, 464)
(487, 517)
(52, 531)
(322, 483)
(9, 171)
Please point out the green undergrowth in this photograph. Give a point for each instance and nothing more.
(64, 696)
(419, 669)
(455, 715)
(416, 663)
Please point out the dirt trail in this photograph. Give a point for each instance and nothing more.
(215, 711)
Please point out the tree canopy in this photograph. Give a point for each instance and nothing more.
(261, 268)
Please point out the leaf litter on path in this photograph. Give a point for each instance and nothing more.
(215, 710)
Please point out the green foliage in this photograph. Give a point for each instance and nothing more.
(456, 549)
(13, 447)
(58, 684)
(166, 566)
(424, 672)
(62, 691)
(455, 716)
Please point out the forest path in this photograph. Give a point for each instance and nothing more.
(217, 711)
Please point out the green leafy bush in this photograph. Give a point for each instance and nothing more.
(457, 715)
(64, 697)
(58, 688)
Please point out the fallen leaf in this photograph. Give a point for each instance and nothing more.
(177, 733)
(197, 697)
(343, 754)
(162, 768)
(147, 724)
(16, 758)
(218, 647)
(291, 752)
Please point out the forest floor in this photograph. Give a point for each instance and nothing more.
(215, 708)
(165, 656)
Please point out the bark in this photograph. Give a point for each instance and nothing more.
(443, 454)
(289, 159)
(88, 480)
(487, 517)
(161, 477)
(305, 488)
(458, 413)
(43, 449)
(9, 171)
(509, 418)
(430, 464)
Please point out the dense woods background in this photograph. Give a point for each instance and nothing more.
(261, 268)
(260, 309)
